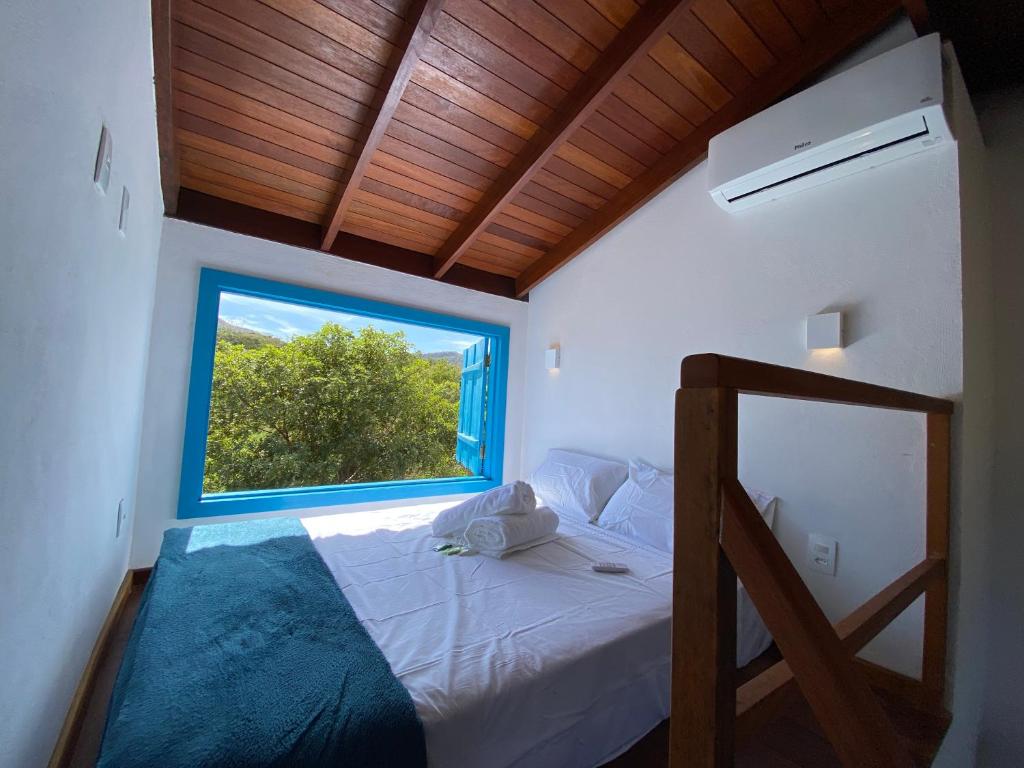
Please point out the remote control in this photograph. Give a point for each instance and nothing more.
(610, 567)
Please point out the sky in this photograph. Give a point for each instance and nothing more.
(285, 321)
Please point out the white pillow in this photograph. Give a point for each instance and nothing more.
(577, 486)
(643, 507)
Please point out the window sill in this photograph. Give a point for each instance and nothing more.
(249, 502)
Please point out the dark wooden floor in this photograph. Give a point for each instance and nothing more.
(792, 741)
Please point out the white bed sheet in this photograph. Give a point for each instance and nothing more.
(534, 660)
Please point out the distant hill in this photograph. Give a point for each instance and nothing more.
(247, 337)
(455, 358)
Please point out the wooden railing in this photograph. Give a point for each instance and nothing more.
(719, 535)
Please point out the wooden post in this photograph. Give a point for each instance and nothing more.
(933, 666)
(702, 725)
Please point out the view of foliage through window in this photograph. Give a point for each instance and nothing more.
(331, 406)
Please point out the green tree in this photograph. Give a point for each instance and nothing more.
(329, 408)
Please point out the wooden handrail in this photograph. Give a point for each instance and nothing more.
(718, 534)
(760, 699)
(754, 378)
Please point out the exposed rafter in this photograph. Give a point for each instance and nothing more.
(840, 34)
(419, 23)
(646, 27)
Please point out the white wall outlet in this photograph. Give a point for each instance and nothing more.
(122, 221)
(821, 553)
(122, 513)
(104, 159)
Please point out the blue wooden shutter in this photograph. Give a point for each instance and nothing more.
(470, 446)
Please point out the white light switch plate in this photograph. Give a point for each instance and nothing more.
(821, 553)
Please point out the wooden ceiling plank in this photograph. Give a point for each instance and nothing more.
(681, 64)
(369, 14)
(551, 31)
(257, 110)
(585, 140)
(564, 208)
(637, 124)
(459, 116)
(655, 78)
(278, 24)
(403, 181)
(258, 43)
(410, 199)
(387, 203)
(401, 157)
(197, 171)
(405, 56)
(618, 12)
(193, 64)
(513, 39)
(727, 24)
(452, 134)
(229, 135)
(491, 57)
(838, 36)
(567, 189)
(632, 43)
(229, 193)
(653, 108)
(450, 154)
(389, 238)
(337, 27)
(805, 15)
(580, 177)
(186, 102)
(712, 52)
(770, 24)
(252, 173)
(594, 166)
(527, 228)
(586, 20)
(468, 72)
(188, 139)
(163, 47)
(450, 175)
(227, 55)
(614, 134)
(557, 229)
(480, 104)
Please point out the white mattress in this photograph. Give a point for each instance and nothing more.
(535, 660)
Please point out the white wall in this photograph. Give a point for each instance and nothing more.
(1002, 735)
(75, 306)
(683, 277)
(188, 247)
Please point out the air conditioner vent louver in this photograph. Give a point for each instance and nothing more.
(864, 117)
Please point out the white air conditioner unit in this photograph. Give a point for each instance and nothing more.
(886, 108)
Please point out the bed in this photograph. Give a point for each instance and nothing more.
(534, 660)
(531, 660)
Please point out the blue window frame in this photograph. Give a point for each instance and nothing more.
(484, 427)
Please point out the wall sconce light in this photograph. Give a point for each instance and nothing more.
(825, 331)
(552, 357)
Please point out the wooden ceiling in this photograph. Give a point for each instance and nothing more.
(499, 137)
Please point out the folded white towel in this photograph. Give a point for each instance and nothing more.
(496, 534)
(513, 499)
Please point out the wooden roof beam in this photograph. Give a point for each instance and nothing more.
(837, 36)
(419, 24)
(647, 26)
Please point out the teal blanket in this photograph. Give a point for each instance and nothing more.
(245, 653)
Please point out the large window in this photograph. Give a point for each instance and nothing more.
(300, 398)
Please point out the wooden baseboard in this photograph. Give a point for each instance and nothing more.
(64, 748)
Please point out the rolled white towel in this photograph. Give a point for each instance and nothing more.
(497, 534)
(513, 499)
